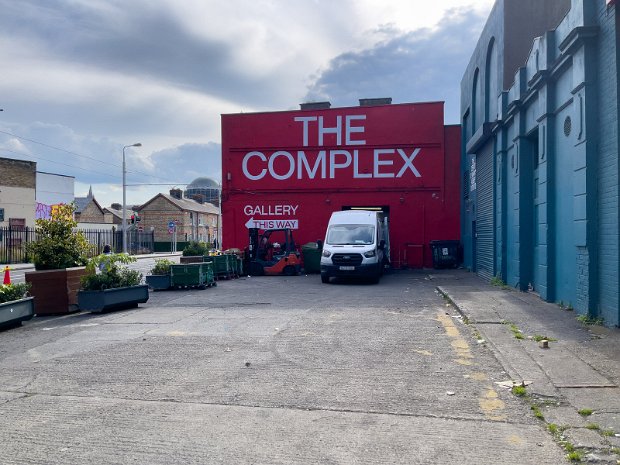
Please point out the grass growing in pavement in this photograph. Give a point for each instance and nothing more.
(585, 412)
(590, 320)
(497, 281)
(538, 338)
(516, 331)
(519, 391)
(568, 447)
(553, 428)
(615, 450)
(608, 433)
(574, 456)
(537, 413)
(593, 426)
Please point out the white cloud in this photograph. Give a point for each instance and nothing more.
(90, 76)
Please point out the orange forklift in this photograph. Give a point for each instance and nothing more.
(272, 253)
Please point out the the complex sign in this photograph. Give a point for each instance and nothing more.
(396, 146)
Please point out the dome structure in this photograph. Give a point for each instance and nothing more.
(204, 189)
(203, 183)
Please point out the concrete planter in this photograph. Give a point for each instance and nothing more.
(14, 312)
(55, 291)
(158, 282)
(113, 299)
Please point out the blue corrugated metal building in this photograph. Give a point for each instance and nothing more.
(540, 165)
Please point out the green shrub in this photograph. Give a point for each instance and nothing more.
(9, 292)
(162, 266)
(105, 272)
(195, 248)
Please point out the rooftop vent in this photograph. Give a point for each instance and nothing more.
(371, 102)
(315, 105)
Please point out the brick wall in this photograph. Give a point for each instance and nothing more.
(18, 173)
(160, 212)
(91, 214)
(582, 291)
(156, 215)
(17, 190)
(608, 169)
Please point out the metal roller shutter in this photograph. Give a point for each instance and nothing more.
(484, 216)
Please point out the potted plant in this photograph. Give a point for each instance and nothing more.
(110, 286)
(15, 304)
(159, 279)
(59, 254)
(194, 252)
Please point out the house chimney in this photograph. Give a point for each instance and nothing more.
(315, 106)
(116, 206)
(198, 198)
(371, 102)
(176, 193)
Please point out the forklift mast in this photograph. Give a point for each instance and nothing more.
(253, 246)
(259, 243)
(264, 257)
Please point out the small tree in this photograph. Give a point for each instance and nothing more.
(58, 246)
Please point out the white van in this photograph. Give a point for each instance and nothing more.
(356, 244)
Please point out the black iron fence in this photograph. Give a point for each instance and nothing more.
(14, 239)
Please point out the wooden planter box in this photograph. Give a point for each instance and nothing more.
(158, 282)
(55, 291)
(113, 299)
(14, 312)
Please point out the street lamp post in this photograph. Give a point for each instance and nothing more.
(137, 144)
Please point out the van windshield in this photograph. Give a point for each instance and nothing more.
(350, 234)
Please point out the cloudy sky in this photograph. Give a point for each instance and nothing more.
(82, 78)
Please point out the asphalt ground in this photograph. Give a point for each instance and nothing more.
(265, 370)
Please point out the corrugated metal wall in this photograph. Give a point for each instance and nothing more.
(484, 216)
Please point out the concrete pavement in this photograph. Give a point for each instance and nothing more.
(579, 372)
(288, 370)
(268, 370)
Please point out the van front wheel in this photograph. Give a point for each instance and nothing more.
(324, 278)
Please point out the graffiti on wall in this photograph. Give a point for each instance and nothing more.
(45, 212)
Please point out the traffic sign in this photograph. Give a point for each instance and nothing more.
(170, 230)
(171, 224)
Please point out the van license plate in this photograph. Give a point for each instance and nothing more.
(347, 268)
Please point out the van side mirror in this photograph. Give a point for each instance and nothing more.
(381, 244)
(319, 243)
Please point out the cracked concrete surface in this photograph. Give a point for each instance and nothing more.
(270, 370)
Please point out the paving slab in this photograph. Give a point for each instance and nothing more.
(585, 438)
(515, 359)
(564, 368)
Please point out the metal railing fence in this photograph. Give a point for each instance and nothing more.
(14, 239)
